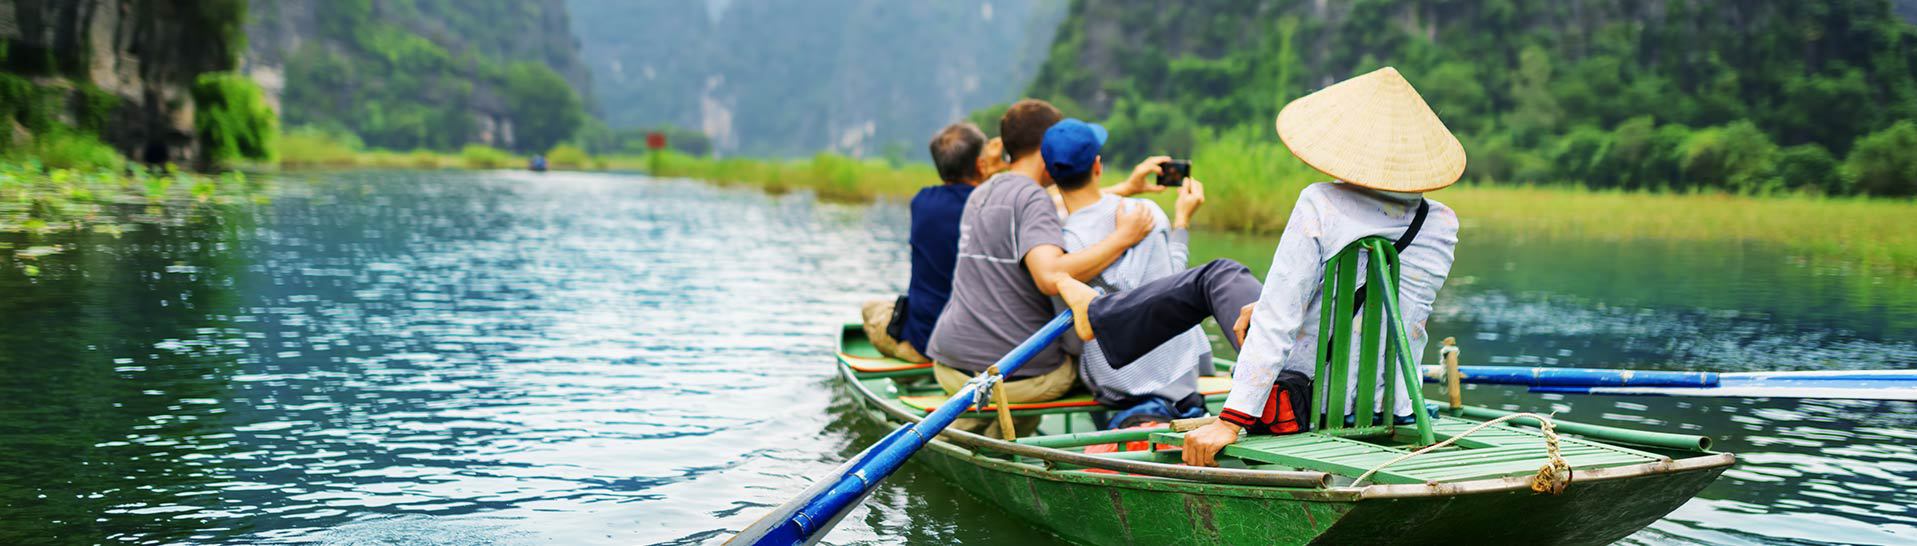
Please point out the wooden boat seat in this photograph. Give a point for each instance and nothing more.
(1383, 364)
(857, 352)
(1214, 389)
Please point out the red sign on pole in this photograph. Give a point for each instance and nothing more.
(656, 140)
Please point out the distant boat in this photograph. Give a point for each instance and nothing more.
(537, 164)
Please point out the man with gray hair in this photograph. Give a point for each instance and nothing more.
(899, 328)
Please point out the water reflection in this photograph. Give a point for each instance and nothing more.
(462, 358)
(116, 355)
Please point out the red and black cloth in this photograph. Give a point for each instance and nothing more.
(1285, 410)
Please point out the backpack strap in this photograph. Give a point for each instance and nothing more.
(1403, 242)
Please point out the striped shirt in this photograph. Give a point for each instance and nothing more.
(1171, 370)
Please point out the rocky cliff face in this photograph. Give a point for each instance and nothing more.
(143, 53)
(792, 77)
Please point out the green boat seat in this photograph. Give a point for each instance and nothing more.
(1493, 452)
(1384, 351)
(857, 352)
(1333, 454)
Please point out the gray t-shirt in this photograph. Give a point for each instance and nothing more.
(995, 305)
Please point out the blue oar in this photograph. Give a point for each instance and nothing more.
(1574, 377)
(804, 520)
(1821, 384)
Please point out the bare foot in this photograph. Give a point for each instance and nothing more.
(1079, 297)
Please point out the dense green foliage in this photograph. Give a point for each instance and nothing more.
(1710, 94)
(1885, 162)
(64, 148)
(429, 74)
(232, 119)
(544, 105)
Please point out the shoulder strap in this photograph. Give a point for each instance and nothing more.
(1403, 242)
(1417, 223)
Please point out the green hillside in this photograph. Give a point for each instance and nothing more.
(1753, 97)
(434, 74)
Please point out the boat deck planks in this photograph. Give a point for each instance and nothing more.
(1498, 451)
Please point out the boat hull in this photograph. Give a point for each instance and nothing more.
(1599, 507)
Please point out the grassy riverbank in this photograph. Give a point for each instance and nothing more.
(1252, 186)
(831, 176)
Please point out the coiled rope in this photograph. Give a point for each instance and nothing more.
(1551, 478)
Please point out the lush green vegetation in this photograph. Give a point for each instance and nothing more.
(1752, 98)
(831, 176)
(68, 120)
(305, 148)
(371, 70)
(232, 119)
(1252, 182)
(38, 198)
(545, 109)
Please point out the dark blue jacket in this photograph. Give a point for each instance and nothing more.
(935, 234)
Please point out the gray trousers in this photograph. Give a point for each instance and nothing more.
(1133, 322)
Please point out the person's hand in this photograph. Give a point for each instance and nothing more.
(1139, 181)
(1133, 223)
(1202, 445)
(1191, 196)
(1243, 324)
(991, 159)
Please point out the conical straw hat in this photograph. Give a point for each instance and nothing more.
(1373, 131)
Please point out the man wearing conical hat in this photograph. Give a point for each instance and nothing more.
(1384, 148)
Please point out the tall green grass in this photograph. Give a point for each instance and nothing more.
(1252, 181)
(313, 148)
(831, 176)
(70, 149)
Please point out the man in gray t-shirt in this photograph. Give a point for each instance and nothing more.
(1011, 255)
(995, 303)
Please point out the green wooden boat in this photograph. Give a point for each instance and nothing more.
(1302, 488)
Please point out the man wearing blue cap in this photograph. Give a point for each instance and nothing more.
(1011, 254)
(1162, 384)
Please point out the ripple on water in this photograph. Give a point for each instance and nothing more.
(504, 358)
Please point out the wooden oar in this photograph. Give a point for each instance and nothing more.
(806, 518)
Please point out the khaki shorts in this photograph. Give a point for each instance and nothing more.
(1044, 387)
(878, 316)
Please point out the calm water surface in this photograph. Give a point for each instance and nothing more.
(465, 358)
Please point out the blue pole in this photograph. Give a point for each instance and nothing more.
(875, 463)
(1575, 377)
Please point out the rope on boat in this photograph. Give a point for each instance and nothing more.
(1551, 478)
(982, 384)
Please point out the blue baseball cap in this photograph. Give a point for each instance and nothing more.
(1070, 147)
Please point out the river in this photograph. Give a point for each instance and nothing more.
(512, 358)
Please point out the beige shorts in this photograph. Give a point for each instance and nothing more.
(878, 316)
(1044, 387)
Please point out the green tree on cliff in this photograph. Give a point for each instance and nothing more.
(545, 109)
